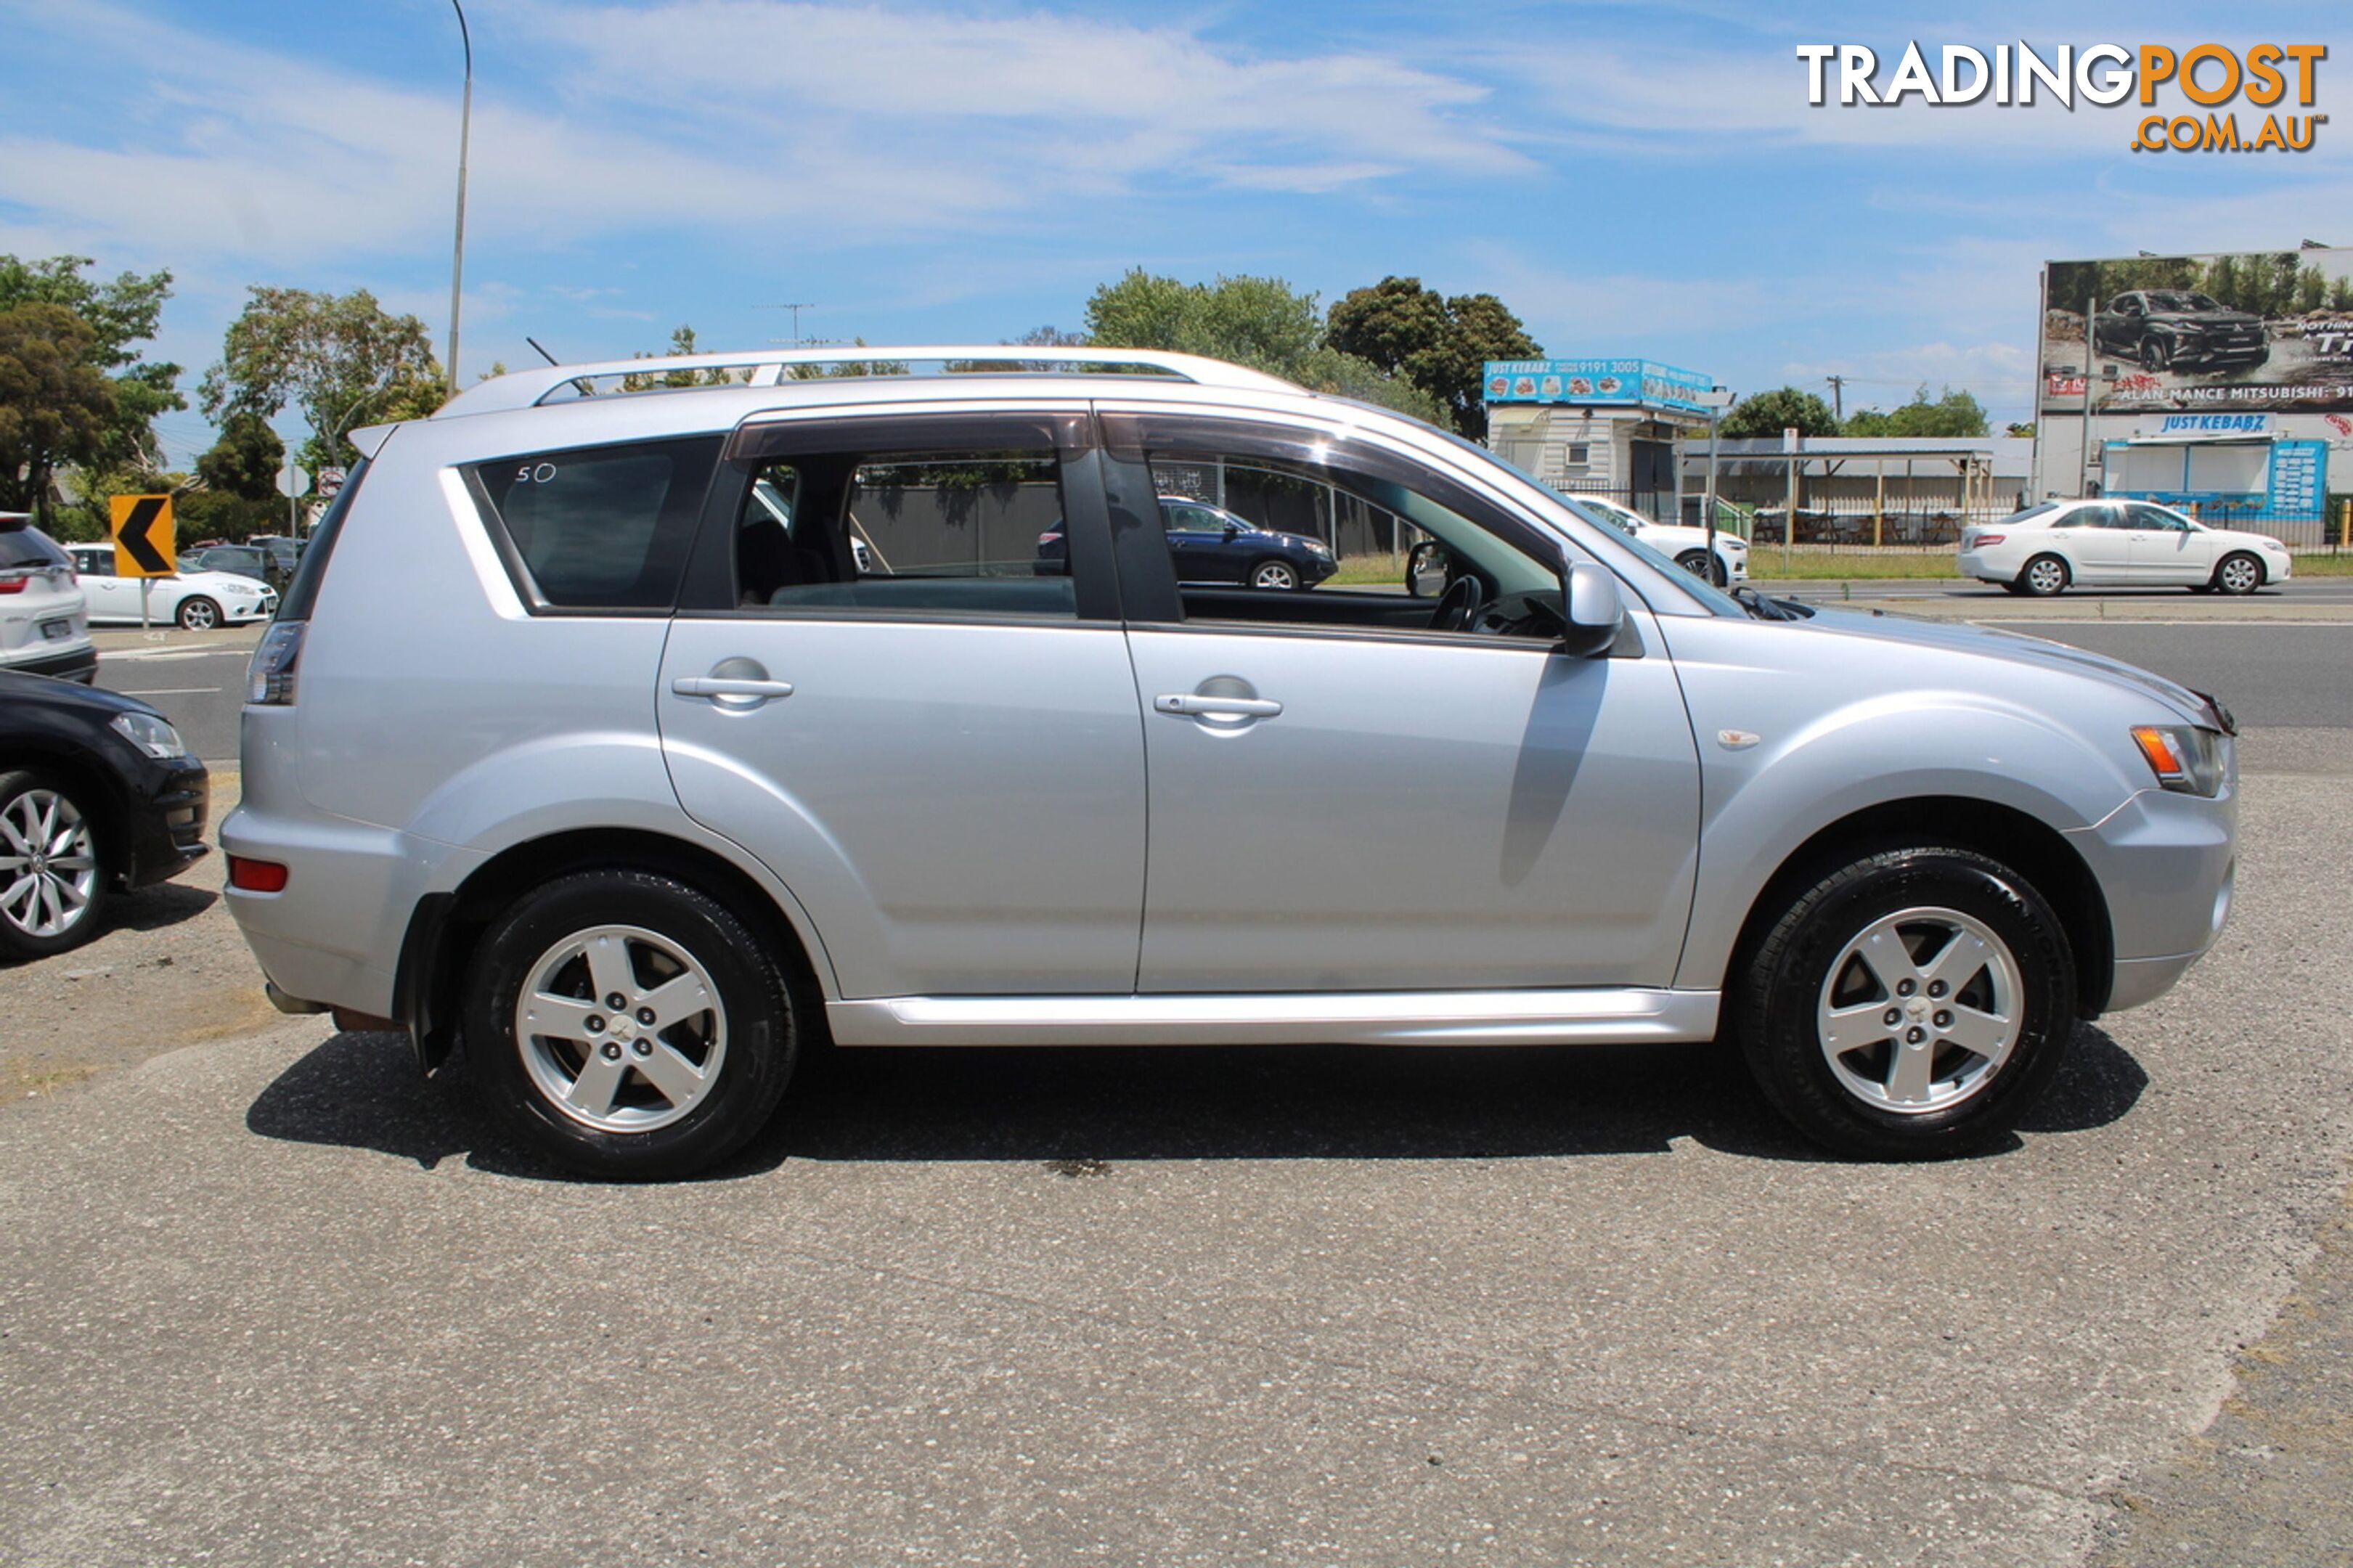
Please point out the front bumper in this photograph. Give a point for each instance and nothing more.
(167, 827)
(2167, 865)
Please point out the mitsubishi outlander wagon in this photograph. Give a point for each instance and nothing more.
(750, 715)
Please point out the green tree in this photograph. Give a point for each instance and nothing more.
(245, 461)
(57, 409)
(343, 360)
(1439, 344)
(1952, 414)
(120, 315)
(1260, 322)
(1767, 414)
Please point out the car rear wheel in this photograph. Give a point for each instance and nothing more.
(2239, 572)
(1912, 1005)
(629, 1025)
(198, 614)
(2043, 576)
(53, 883)
(1279, 574)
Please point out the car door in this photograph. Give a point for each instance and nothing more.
(1345, 799)
(1198, 545)
(2167, 549)
(2098, 542)
(110, 597)
(932, 740)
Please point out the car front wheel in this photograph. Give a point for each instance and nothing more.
(2239, 572)
(53, 885)
(1912, 1005)
(1279, 574)
(198, 614)
(630, 1025)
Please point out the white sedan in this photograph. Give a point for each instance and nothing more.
(198, 601)
(2113, 543)
(1686, 546)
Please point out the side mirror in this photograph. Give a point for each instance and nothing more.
(1595, 613)
(1231, 531)
(1427, 569)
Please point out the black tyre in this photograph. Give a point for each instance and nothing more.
(2238, 573)
(2044, 576)
(2011, 587)
(1274, 573)
(2154, 355)
(198, 614)
(1695, 562)
(629, 1025)
(54, 886)
(1910, 1005)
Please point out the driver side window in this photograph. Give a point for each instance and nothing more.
(1275, 527)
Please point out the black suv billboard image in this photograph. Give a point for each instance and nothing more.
(2164, 329)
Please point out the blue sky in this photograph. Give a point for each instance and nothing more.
(1632, 179)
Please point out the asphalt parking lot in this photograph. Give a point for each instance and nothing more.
(266, 1298)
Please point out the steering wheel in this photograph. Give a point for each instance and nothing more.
(1458, 607)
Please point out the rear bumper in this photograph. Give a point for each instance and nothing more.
(75, 664)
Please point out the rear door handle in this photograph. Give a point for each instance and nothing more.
(729, 686)
(1200, 707)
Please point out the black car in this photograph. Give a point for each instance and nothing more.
(96, 792)
(243, 561)
(2179, 329)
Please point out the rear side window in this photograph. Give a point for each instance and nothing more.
(602, 528)
(23, 547)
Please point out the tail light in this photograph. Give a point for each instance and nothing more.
(1989, 539)
(1051, 537)
(269, 675)
(14, 584)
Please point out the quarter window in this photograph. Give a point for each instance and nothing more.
(602, 528)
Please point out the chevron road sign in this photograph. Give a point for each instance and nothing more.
(143, 536)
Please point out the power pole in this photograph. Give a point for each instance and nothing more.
(1838, 397)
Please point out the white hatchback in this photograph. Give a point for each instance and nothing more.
(194, 601)
(2049, 548)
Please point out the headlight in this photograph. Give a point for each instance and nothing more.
(1317, 547)
(2185, 757)
(150, 734)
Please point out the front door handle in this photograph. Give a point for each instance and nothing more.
(1194, 705)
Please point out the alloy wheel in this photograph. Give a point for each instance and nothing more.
(1274, 575)
(2240, 575)
(1920, 1010)
(620, 1028)
(48, 866)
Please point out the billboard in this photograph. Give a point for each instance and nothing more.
(2244, 332)
(1609, 382)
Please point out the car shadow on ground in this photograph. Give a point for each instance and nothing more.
(1081, 1112)
(160, 905)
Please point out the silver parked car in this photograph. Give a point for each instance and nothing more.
(874, 709)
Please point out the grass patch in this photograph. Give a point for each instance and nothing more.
(2339, 564)
(1369, 572)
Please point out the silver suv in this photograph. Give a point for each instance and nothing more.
(639, 740)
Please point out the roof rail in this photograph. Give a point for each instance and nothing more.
(529, 388)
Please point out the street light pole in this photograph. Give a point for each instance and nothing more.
(465, 135)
